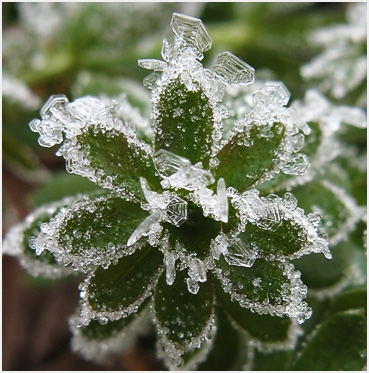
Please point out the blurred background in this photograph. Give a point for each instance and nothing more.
(92, 48)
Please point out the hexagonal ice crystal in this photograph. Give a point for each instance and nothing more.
(233, 71)
(168, 163)
(278, 92)
(238, 254)
(192, 31)
(176, 211)
(270, 218)
(296, 165)
(55, 107)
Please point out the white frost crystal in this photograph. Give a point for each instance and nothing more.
(233, 71)
(238, 254)
(192, 31)
(163, 207)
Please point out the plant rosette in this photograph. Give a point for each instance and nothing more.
(178, 227)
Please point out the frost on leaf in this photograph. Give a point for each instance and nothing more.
(184, 321)
(96, 145)
(276, 228)
(90, 232)
(119, 291)
(96, 340)
(19, 242)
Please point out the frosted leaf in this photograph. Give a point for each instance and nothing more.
(151, 64)
(233, 71)
(170, 266)
(297, 164)
(192, 31)
(14, 245)
(239, 254)
(119, 341)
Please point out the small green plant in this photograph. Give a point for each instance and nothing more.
(185, 228)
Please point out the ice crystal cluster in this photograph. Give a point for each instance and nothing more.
(180, 228)
(341, 67)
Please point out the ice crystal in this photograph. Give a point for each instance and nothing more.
(233, 71)
(239, 254)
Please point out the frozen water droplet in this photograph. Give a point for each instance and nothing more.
(297, 164)
(193, 286)
(35, 125)
(197, 270)
(238, 254)
(290, 201)
(233, 71)
(150, 80)
(152, 64)
(170, 265)
(176, 211)
(192, 31)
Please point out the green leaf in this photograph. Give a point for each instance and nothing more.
(227, 346)
(96, 341)
(285, 241)
(350, 299)
(339, 211)
(249, 156)
(184, 122)
(339, 343)
(272, 361)
(266, 287)
(264, 328)
(196, 233)
(61, 185)
(93, 231)
(182, 319)
(22, 160)
(117, 160)
(17, 242)
(122, 288)
(317, 272)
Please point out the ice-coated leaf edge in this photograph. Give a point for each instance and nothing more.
(75, 120)
(172, 356)
(87, 312)
(316, 242)
(13, 245)
(121, 342)
(293, 305)
(355, 212)
(293, 126)
(84, 262)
